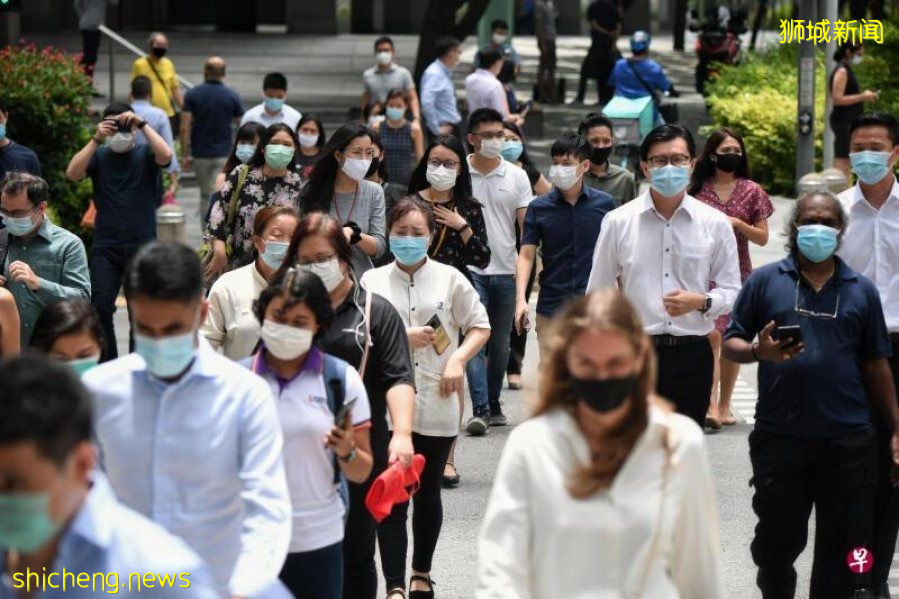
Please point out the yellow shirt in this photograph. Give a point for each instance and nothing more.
(162, 90)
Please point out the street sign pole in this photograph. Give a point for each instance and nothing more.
(805, 138)
(831, 15)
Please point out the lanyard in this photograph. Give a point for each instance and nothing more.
(352, 206)
(450, 206)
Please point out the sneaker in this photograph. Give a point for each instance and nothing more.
(498, 419)
(476, 426)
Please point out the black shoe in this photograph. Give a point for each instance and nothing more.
(451, 481)
(497, 419)
(421, 594)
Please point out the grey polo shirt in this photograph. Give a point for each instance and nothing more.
(379, 83)
(618, 183)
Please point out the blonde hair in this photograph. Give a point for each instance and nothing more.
(605, 310)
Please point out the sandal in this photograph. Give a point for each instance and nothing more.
(421, 594)
(450, 481)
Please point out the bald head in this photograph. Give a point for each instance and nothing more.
(214, 68)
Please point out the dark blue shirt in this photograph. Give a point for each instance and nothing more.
(213, 107)
(820, 393)
(127, 191)
(566, 235)
(16, 158)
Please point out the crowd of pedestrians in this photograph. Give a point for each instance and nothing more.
(287, 382)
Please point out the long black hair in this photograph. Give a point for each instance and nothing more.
(314, 118)
(265, 137)
(248, 133)
(318, 193)
(705, 168)
(524, 159)
(462, 193)
(67, 317)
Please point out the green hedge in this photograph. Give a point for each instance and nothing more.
(47, 96)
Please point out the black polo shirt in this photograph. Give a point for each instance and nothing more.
(820, 393)
(566, 235)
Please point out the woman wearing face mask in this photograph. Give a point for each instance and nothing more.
(230, 326)
(311, 135)
(515, 152)
(269, 178)
(403, 144)
(437, 305)
(294, 311)
(245, 143)
(847, 100)
(598, 493)
(721, 180)
(369, 335)
(338, 187)
(70, 331)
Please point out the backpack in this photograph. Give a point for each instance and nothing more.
(334, 373)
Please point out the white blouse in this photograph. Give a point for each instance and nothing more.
(231, 327)
(440, 289)
(538, 542)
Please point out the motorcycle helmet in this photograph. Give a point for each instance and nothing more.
(640, 41)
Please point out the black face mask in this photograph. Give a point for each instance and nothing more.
(159, 52)
(603, 395)
(600, 155)
(729, 163)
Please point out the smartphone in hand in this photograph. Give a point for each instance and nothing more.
(343, 413)
(441, 337)
(790, 335)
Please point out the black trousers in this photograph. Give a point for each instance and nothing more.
(107, 268)
(791, 475)
(427, 517)
(316, 574)
(598, 64)
(519, 341)
(886, 497)
(685, 377)
(90, 46)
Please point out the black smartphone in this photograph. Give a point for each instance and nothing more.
(343, 413)
(441, 338)
(791, 334)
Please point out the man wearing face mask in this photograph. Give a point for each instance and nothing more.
(871, 247)
(273, 109)
(59, 519)
(663, 250)
(15, 157)
(603, 175)
(564, 224)
(501, 40)
(127, 191)
(44, 263)
(385, 76)
(821, 343)
(161, 71)
(174, 401)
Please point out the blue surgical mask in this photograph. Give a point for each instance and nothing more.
(512, 150)
(273, 104)
(2, 131)
(274, 254)
(396, 114)
(82, 365)
(409, 250)
(871, 167)
(278, 156)
(20, 226)
(166, 357)
(670, 180)
(25, 525)
(817, 242)
(245, 151)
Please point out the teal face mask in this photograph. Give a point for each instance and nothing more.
(409, 250)
(274, 254)
(278, 156)
(871, 167)
(670, 180)
(512, 150)
(273, 104)
(166, 357)
(18, 226)
(817, 242)
(396, 114)
(2, 131)
(245, 151)
(25, 525)
(82, 365)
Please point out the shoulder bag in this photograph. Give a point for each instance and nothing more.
(669, 110)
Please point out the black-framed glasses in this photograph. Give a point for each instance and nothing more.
(674, 159)
(812, 313)
(451, 164)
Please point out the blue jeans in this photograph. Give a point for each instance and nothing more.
(487, 369)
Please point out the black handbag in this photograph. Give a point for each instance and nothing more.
(667, 110)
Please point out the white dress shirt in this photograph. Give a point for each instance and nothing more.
(231, 326)
(484, 90)
(440, 289)
(650, 257)
(257, 114)
(870, 246)
(652, 534)
(501, 192)
(202, 457)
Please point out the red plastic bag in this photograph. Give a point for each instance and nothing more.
(394, 485)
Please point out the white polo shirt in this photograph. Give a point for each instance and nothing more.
(317, 514)
(502, 192)
(257, 114)
(440, 289)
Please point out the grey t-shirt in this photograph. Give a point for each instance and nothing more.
(618, 183)
(379, 83)
(366, 209)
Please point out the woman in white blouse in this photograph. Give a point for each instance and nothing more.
(231, 327)
(436, 303)
(605, 492)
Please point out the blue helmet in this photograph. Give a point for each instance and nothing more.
(640, 41)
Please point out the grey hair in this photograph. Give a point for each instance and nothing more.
(153, 36)
(792, 227)
(36, 188)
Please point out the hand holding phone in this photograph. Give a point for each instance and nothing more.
(340, 419)
(441, 337)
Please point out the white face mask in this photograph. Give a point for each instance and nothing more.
(491, 148)
(563, 177)
(499, 39)
(285, 342)
(121, 142)
(441, 178)
(328, 271)
(384, 58)
(356, 168)
(308, 141)
(857, 59)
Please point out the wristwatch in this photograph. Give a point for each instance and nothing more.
(348, 458)
(356, 237)
(142, 124)
(707, 305)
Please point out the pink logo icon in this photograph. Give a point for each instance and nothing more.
(860, 560)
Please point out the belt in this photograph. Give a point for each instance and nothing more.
(673, 340)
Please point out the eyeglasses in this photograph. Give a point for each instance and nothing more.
(813, 314)
(491, 135)
(450, 164)
(674, 159)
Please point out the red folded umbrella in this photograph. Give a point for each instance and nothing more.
(394, 485)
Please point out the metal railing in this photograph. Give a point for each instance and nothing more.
(115, 38)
